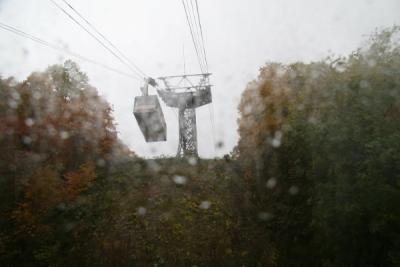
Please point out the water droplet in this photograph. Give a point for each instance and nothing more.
(312, 120)
(26, 140)
(364, 84)
(276, 143)
(64, 135)
(178, 179)
(141, 211)
(293, 190)
(51, 130)
(205, 205)
(16, 96)
(13, 104)
(29, 122)
(340, 66)
(247, 110)
(265, 216)
(101, 162)
(37, 95)
(220, 145)
(154, 166)
(192, 161)
(371, 63)
(271, 183)
(277, 140)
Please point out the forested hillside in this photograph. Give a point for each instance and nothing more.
(313, 181)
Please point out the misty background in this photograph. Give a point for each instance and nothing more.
(240, 36)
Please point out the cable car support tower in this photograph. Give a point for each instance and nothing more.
(194, 93)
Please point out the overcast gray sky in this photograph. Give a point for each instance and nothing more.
(240, 37)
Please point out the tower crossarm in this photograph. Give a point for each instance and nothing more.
(186, 93)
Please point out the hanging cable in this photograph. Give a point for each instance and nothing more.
(193, 36)
(105, 38)
(97, 39)
(202, 38)
(195, 25)
(61, 49)
(196, 30)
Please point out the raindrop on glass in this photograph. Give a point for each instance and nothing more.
(265, 216)
(141, 211)
(178, 179)
(192, 161)
(205, 205)
(293, 190)
(64, 135)
(271, 183)
(29, 122)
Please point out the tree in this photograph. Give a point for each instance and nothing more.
(55, 129)
(319, 142)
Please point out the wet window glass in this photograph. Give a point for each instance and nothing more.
(200, 133)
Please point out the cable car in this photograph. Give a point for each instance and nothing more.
(149, 116)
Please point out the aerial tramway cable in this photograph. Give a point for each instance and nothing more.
(195, 23)
(196, 29)
(98, 40)
(105, 38)
(201, 34)
(63, 50)
(188, 18)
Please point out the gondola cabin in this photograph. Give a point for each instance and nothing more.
(149, 115)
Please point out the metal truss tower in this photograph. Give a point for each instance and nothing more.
(186, 93)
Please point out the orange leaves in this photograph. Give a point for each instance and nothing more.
(264, 108)
(78, 181)
(45, 191)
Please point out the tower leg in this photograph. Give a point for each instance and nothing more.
(187, 133)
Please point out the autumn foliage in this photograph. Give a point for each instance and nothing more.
(55, 131)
